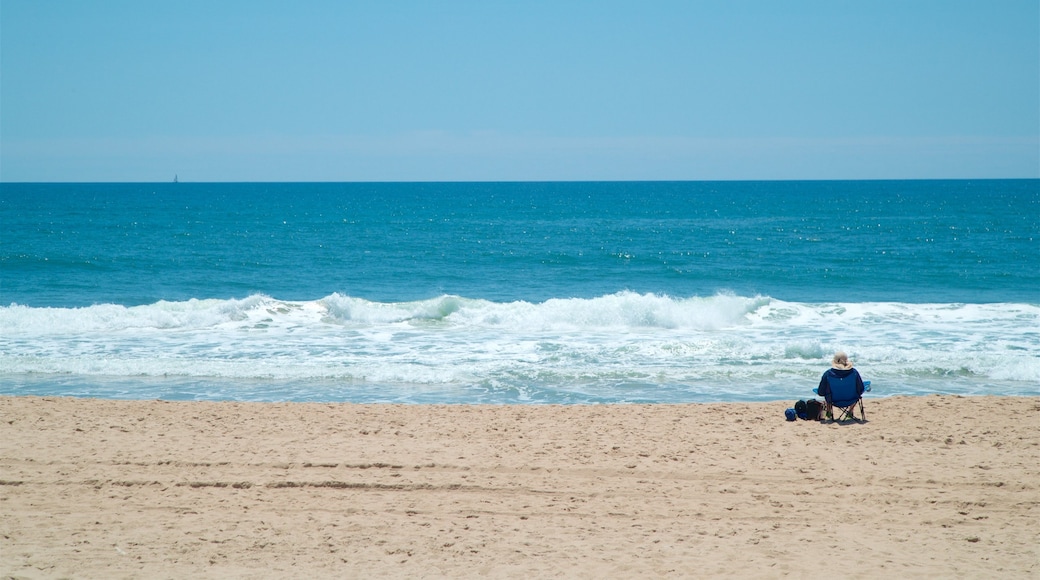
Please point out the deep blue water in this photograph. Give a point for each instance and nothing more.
(517, 292)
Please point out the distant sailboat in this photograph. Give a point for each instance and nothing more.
(175, 178)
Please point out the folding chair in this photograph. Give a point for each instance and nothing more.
(844, 396)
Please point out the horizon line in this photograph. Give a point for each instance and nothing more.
(451, 181)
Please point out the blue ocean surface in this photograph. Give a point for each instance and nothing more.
(534, 293)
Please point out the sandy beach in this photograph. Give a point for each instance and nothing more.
(927, 487)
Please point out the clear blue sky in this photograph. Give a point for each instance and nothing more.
(224, 90)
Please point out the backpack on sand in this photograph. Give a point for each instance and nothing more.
(813, 408)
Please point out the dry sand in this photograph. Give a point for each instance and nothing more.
(929, 487)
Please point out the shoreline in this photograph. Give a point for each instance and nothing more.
(928, 486)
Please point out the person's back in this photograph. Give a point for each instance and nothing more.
(841, 383)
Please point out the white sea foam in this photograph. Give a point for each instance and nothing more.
(618, 347)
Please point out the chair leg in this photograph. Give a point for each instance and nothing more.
(849, 413)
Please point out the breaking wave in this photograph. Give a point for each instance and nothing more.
(617, 347)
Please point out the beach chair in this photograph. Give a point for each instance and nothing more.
(844, 396)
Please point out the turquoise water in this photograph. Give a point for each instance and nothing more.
(517, 292)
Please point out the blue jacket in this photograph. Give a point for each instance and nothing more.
(836, 375)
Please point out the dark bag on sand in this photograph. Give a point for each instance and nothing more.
(800, 410)
(813, 408)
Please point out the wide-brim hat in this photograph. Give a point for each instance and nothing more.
(841, 361)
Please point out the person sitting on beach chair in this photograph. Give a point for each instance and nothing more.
(842, 387)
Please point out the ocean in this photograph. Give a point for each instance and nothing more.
(505, 293)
